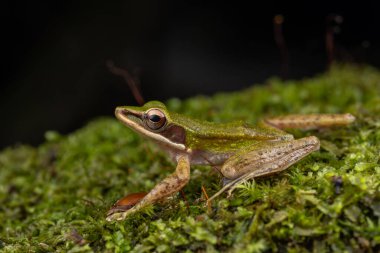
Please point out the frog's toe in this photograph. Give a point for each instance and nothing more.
(117, 216)
(112, 217)
(226, 181)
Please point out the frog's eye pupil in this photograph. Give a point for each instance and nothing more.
(155, 119)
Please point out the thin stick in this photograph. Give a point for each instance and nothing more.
(129, 79)
(278, 21)
(332, 21)
(206, 196)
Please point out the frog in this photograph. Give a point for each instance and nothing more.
(237, 150)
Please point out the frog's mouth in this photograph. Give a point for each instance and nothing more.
(129, 116)
(135, 120)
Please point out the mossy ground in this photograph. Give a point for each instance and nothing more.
(54, 197)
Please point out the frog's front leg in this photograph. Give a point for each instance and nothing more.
(265, 159)
(170, 185)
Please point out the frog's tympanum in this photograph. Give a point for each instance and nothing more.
(239, 151)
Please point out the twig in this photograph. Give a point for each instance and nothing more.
(278, 21)
(132, 82)
(332, 22)
(206, 196)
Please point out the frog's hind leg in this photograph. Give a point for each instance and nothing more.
(265, 160)
(310, 121)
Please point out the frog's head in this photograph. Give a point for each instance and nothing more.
(153, 121)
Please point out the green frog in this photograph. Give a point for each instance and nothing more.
(239, 151)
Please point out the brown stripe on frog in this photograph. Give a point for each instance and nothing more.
(174, 133)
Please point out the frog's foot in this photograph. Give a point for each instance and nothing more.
(124, 204)
(229, 185)
(226, 181)
(118, 216)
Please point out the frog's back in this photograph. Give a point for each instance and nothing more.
(220, 140)
(237, 130)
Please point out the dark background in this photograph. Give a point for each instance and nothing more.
(54, 52)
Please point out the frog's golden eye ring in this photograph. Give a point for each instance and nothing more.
(155, 119)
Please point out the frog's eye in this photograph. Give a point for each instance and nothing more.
(155, 119)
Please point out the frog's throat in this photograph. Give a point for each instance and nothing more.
(125, 117)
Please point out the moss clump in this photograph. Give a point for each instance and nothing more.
(54, 197)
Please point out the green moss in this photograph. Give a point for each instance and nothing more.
(54, 197)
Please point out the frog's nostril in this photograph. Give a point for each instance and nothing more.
(124, 112)
(120, 112)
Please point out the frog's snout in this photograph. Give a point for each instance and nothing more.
(120, 111)
(125, 114)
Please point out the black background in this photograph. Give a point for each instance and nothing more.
(54, 52)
